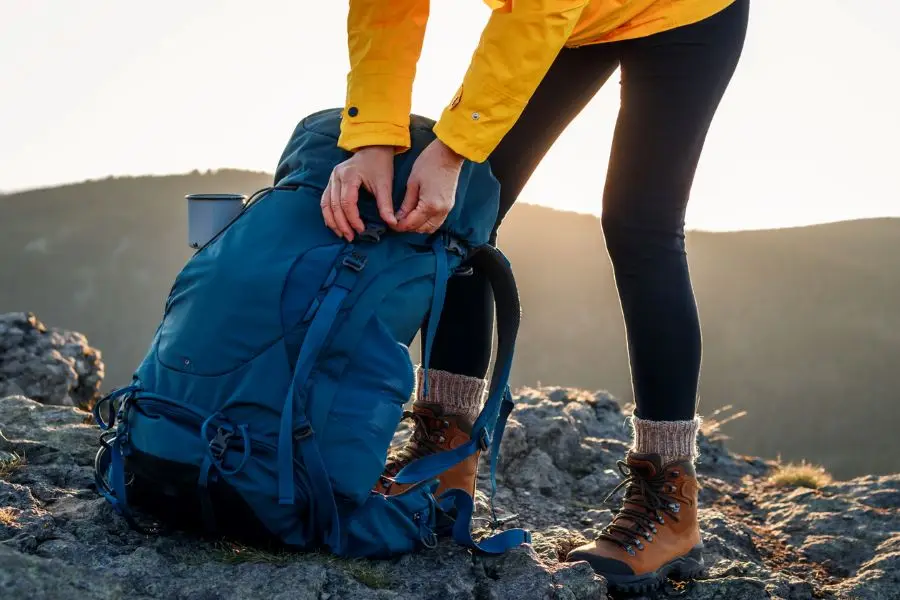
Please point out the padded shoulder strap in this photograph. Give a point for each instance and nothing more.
(496, 268)
(487, 431)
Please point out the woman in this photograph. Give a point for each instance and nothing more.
(538, 63)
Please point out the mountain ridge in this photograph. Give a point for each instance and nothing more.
(799, 326)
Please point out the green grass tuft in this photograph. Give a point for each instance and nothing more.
(234, 553)
(368, 573)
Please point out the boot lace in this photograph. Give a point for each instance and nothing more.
(427, 437)
(648, 494)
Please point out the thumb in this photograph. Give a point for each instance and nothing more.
(410, 200)
(384, 201)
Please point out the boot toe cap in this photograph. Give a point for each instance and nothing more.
(603, 565)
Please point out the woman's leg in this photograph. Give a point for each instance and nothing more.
(672, 84)
(671, 87)
(462, 344)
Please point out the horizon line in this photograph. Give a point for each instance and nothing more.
(213, 171)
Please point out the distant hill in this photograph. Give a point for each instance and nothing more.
(801, 326)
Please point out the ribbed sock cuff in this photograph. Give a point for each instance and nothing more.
(456, 394)
(670, 439)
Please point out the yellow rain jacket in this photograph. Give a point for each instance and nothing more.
(517, 47)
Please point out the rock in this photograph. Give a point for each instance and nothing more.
(58, 539)
(51, 366)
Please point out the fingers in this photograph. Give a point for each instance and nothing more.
(418, 219)
(410, 200)
(350, 204)
(325, 205)
(385, 203)
(430, 226)
(343, 227)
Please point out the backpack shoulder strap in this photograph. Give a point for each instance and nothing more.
(487, 432)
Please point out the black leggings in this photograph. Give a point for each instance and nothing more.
(671, 86)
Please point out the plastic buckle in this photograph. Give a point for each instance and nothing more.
(219, 444)
(303, 433)
(372, 233)
(484, 440)
(455, 247)
(355, 261)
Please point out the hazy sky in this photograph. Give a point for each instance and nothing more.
(808, 132)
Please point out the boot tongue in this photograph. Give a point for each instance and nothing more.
(644, 465)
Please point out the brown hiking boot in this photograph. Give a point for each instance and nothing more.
(433, 432)
(655, 534)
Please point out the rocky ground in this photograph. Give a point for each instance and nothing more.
(58, 539)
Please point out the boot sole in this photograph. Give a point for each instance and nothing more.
(684, 567)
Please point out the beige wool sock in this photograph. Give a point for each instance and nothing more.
(456, 394)
(670, 439)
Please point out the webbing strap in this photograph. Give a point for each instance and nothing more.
(110, 463)
(206, 506)
(309, 351)
(312, 345)
(353, 327)
(326, 510)
(437, 304)
(505, 409)
(490, 261)
(460, 501)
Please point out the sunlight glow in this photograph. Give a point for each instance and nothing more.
(807, 132)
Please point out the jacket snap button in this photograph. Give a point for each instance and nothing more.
(352, 111)
(475, 116)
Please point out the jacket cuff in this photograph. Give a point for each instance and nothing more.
(376, 111)
(474, 133)
(357, 135)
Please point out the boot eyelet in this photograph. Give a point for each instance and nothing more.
(441, 439)
(638, 543)
(630, 550)
(674, 474)
(649, 537)
(446, 423)
(675, 507)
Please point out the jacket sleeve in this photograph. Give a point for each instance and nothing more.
(517, 47)
(384, 39)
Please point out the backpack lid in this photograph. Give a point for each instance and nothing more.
(312, 153)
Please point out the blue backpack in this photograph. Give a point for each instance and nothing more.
(274, 384)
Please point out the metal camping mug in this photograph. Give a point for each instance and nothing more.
(208, 214)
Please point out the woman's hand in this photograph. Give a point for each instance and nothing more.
(372, 167)
(430, 190)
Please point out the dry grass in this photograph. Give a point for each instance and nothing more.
(8, 517)
(712, 423)
(10, 463)
(800, 475)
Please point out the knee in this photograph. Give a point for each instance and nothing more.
(635, 240)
